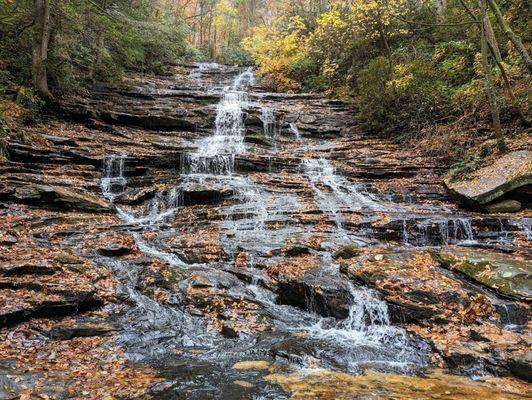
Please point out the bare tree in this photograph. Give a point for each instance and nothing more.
(485, 29)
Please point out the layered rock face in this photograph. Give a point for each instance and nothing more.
(200, 222)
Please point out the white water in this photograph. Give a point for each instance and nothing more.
(215, 154)
(453, 230)
(368, 323)
(269, 122)
(295, 130)
(113, 182)
(333, 192)
(160, 208)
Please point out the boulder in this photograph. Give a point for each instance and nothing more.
(509, 275)
(415, 288)
(510, 172)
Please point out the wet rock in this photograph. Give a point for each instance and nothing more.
(7, 239)
(416, 290)
(326, 297)
(136, 197)
(296, 250)
(42, 268)
(504, 206)
(333, 385)
(509, 275)
(70, 332)
(228, 331)
(521, 366)
(58, 198)
(115, 250)
(50, 307)
(512, 313)
(67, 257)
(346, 252)
(258, 139)
(61, 141)
(213, 279)
(472, 357)
(488, 183)
(199, 195)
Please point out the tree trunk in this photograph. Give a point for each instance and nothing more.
(496, 54)
(40, 48)
(100, 47)
(490, 91)
(516, 41)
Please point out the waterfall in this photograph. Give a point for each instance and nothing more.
(216, 153)
(163, 206)
(368, 320)
(258, 218)
(340, 193)
(269, 122)
(113, 182)
(367, 327)
(295, 130)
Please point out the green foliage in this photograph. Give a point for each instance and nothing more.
(404, 99)
(407, 67)
(32, 105)
(93, 40)
(233, 55)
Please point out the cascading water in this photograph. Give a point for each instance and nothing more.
(215, 154)
(295, 130)
(448, 231)
(366, 336)
(332, 191)
(269, 122)
(113, 181)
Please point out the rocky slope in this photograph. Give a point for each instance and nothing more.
(222, 240)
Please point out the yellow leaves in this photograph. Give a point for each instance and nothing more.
(276, 49)
(382, 220)
(332, 19)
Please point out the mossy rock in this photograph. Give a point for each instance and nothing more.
(509, 275)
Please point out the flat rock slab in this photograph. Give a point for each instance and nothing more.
(55, 197)
(509, 275)
(486, 184)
